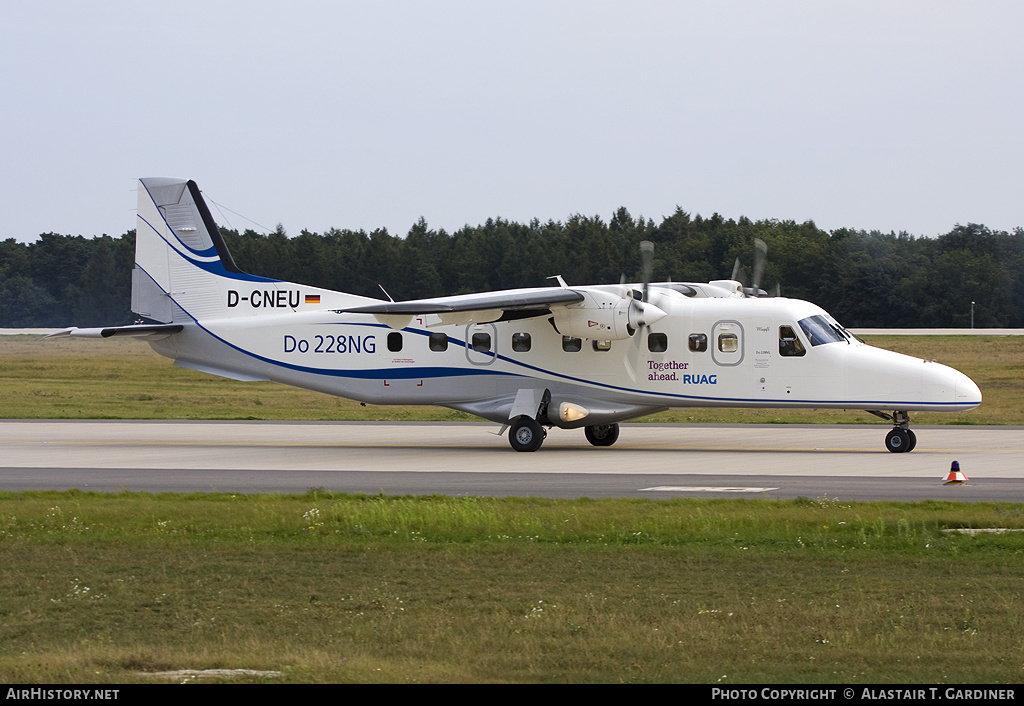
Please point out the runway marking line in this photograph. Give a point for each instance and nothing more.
(703, 489)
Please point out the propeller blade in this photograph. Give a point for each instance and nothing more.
(646, 263)
(760, 255)
(742, 277)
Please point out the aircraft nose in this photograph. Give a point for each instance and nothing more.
(953, 390)
(967, 391)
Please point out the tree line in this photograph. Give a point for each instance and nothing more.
(865, 279)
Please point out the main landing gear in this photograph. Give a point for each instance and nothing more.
(901, 439)
(602, 434)
(526, 434)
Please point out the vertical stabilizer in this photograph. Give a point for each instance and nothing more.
(184, 272)
(181, 262)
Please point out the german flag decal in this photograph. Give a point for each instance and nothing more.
(312, 298)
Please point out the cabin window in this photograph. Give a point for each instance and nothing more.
(657, 342)
(789, 344)
(394, 341)
(481, 342)
(728, 342)
(521, 342)
(602, 346)
(438, 342)
(571, 345)
(698, 342)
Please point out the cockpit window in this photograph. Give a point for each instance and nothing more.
(821, 330)
(789, 344)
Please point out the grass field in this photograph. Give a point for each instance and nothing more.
(316, 588)
(322, 588)
(125, 379)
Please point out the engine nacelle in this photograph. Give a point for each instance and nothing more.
(605, 316)
(602, 321)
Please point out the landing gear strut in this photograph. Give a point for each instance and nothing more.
(901, 439)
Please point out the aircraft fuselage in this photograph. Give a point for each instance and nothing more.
(704, 352)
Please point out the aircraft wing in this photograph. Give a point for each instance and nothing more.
(138, 331)
(473, 308)
(509, 300)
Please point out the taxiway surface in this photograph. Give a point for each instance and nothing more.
(649, 460)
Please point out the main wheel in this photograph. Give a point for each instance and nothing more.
(525, 434)
(898, 441)
(602, 434)
(913, 440)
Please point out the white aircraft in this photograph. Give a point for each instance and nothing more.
(561, 356)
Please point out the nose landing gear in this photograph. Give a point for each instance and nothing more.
(901, 439)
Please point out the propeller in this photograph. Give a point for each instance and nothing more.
(646, 263)
(760, 255)
(739, 273)
(641, 311)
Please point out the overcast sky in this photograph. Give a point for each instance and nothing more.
(896, 116)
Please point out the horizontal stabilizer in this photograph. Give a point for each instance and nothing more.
(149, 331)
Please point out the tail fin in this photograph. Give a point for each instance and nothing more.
(184, 272)
(183, 269)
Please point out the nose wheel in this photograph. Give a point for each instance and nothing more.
(901, 439)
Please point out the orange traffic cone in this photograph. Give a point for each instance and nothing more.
(955, 477)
